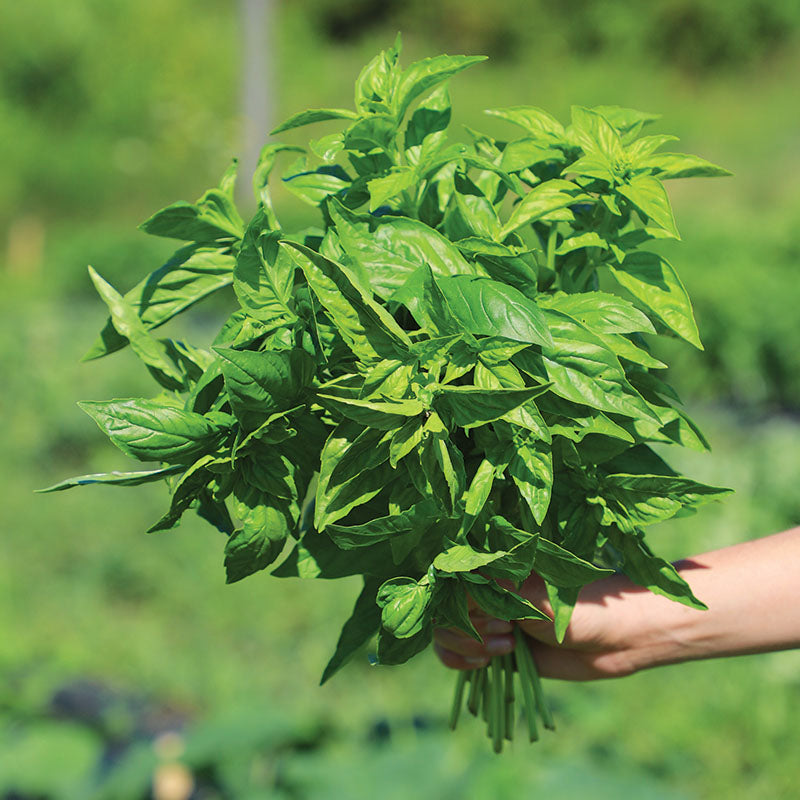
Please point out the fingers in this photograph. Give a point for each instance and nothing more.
(459, 651)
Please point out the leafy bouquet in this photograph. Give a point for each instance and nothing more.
(444, 384)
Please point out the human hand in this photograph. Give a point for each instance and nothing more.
(608, 636)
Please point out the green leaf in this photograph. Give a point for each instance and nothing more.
(316, 556)
(114, 479)
(185, 493)
(507, 376)
(488, 307)
(419, 517)
(582, 369)
(600, 312)
(560, 567)
(424, 133)
(313, 186)
(443, 466)
(311, 116)
(155, 431)
(406, 439)
(531, 469)
(452, 610)
(404, 603)
(498, 602)
(393, 651)
(594, 133)
(262, 383)
(652, 572)
(645, 499)
(263, 277)
(213, 218)
(534, 120)
(649, 198)
(424, 75)
(260, 540)
(679, 165)
(626, 120)
(386, 414)
(192, 273)
(369, 330)
(542, 200)
(335, 500)
(421, 295)
(360, 627)
(264, 167)
(371, 134)
(525, 153)
(391, 249)
(463, 558)
(376, 83)
(388, 186)
(470, 406)
(652, 280)
(153, 352)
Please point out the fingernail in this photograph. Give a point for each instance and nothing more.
(476, 661)
(498, 626)
(499, 645)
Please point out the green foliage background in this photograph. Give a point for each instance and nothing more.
(109, 110)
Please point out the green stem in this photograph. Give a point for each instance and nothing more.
(498, 710)
(458, 698)
(528, 667)
(508, 668)
(523, 668)
(474, 692)
(541, 702)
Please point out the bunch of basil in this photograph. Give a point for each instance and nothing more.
(435, 388)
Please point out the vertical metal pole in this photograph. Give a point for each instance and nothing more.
(256, 19)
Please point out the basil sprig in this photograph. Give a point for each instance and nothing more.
(449, 381)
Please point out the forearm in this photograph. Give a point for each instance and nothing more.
(752, 591)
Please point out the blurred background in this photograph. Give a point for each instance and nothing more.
(128, 669)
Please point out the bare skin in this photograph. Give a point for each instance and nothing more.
(752, 591)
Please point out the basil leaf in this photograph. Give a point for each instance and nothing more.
(488, 307)
(652, 280)
(311, 116)
(213, 218)
(393, 651)
(263, 277)
(260, 540)
(383, 189)
(652, 572)
(542, 200)
(193, 272)
(470, 406)
(531, 469)
(424, 75)
(498, 602)
(534, 120)
(679, 165)
(360, 627)
(114, 479)
(404, 603)
(153, 352)
(155, 431)
(369, 330)
(419, 517)
(391, 249)
(262, 383)
(649, 198)
(463, 558)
